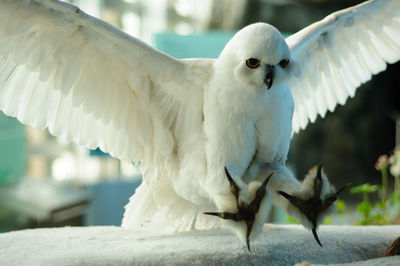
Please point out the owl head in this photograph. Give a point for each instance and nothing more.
(255, 55)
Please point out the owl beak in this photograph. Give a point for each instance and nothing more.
(269, 75)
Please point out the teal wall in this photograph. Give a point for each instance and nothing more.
(12, 149)
(208, 45)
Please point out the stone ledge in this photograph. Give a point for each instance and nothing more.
(278, 245)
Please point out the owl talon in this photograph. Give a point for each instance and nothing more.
(245, 213)
(314, 206)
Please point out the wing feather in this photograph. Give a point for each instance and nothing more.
(88, 82)
(339, 53)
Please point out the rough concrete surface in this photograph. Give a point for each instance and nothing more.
(278, 245)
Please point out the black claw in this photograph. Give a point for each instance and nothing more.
(224, 215)
(214, 214)
(228, 175)
(286, 195)
(268, 178)
(318, 183)
(292, 199)
(248, 232)
(260, 193)
(233, 186)
(332, 198)
(314, 206)
(314, 232)
(245, 213)
(343, 188)
(249, 227)
(248, 244)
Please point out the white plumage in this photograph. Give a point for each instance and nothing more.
(187, 120)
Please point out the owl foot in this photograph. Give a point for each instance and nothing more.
(314, 207)
(245, 212)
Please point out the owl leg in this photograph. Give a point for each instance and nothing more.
(245, 212)
(317, 202)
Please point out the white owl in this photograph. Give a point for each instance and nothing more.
(212, 135)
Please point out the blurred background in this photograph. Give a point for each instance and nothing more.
(47, 182)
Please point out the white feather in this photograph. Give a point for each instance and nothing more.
(365, 37)
(186, 120)
(85, 62)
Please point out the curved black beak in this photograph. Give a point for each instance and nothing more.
(269, 75)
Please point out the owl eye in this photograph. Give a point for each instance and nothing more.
(283, 63)
(253, 63)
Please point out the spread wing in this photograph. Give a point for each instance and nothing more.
(88, 82)
(334, 56)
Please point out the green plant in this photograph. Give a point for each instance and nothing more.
(369, 213)
(386, 209)
(291, 220)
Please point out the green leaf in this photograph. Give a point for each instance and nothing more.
(380, 219)
(291, 220)
(395, 198)
(364, 188)
(328, 220)
(341, 206)
(364, 208)
(380, 205)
